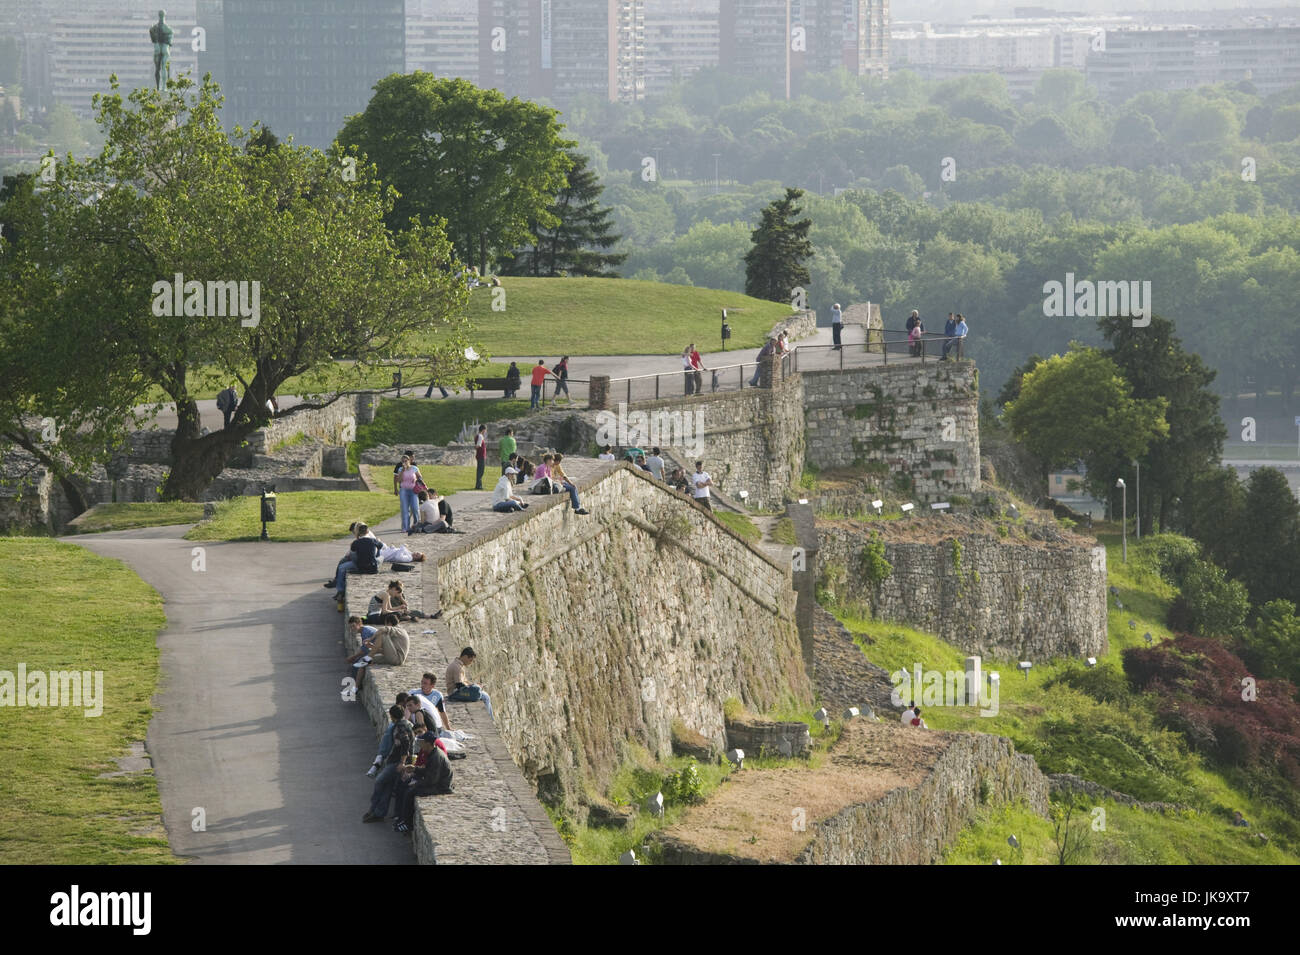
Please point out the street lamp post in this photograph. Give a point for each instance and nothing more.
(1119, 483)
(715, 172)
(1137, 497)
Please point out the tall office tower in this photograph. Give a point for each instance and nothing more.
(681, 36)
(512, 47)
(105, 38)
(827, 35)
(597, 47)
(301, 67)
(754, 40)
(442, 38)
(560, 49)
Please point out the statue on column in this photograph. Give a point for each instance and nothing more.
(161, 35)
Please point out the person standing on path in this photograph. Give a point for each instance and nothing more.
(562, 375)
(227, 402)
(949, 330)
(701, 482)
(407, 477)
(480, 456)
(960, 331)
(508, 447)
(768, 348)
(540, 371)
(512, 380)
(688, 370)
(837, 325)
(697, 364)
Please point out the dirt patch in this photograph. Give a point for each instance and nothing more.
(752, 816)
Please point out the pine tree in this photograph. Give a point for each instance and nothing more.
(576, 246)
(774, 266)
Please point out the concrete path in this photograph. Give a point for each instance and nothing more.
(249, 722)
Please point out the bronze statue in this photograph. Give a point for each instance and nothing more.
(161, 35)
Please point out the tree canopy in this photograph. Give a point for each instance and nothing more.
(175, 211)
(490, 167)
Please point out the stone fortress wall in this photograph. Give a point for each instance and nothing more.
(1009, 598)
(596, 631)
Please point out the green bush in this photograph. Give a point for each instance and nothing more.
(1215, 605)
(1170, 556)
(874, 565)
(684, 787)
(1105, 683)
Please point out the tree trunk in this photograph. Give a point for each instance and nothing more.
(482, 254)
(76, 499)
(198, 460)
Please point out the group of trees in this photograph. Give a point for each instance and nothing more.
(496, 171)
(351, 260)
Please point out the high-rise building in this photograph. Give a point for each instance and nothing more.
(754, 40)
(561, 49)
(301, 67)
(777, 42)
(442, 38)
(681, 37)
(512, 48)
(1134, 60)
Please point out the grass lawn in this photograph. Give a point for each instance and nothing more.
(399, 423)
(121, 517)
(54, 808)
(585, 316)
(443, 478)
(740, 524)
(300, 516)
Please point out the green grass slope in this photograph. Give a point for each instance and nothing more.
(1086, 721)
(582, 316)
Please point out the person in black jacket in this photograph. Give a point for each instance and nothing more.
(432, 777)
(512, 380)
(227, 402)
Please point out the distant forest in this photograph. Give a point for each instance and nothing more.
(954, 197)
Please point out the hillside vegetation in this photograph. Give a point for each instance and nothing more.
(1092, 723)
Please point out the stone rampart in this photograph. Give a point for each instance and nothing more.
(1004, 597)
(599, 630)
(914, 426)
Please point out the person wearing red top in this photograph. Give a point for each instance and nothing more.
(698, 364)
(480, 455)
(540, 371)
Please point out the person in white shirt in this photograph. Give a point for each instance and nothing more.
(431, 701)
(504, 497)
(431, 521)
(606, 455)
(701, 482)
(837, 325)
(656, 464)
(908, 715)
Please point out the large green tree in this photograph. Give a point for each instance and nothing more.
(579, 241)
(491, 167)
(774, 265)
(1154, 361)
(1078, 407)
(1267, 555)
(172, 194)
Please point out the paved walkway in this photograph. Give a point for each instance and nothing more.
(242, 726)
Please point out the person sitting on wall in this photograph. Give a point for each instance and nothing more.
(391, 601)
(455, 681)
(364, 559)
(395, 715)
(431, 521)
(504, 498)
(391, 643)
(430, 776)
